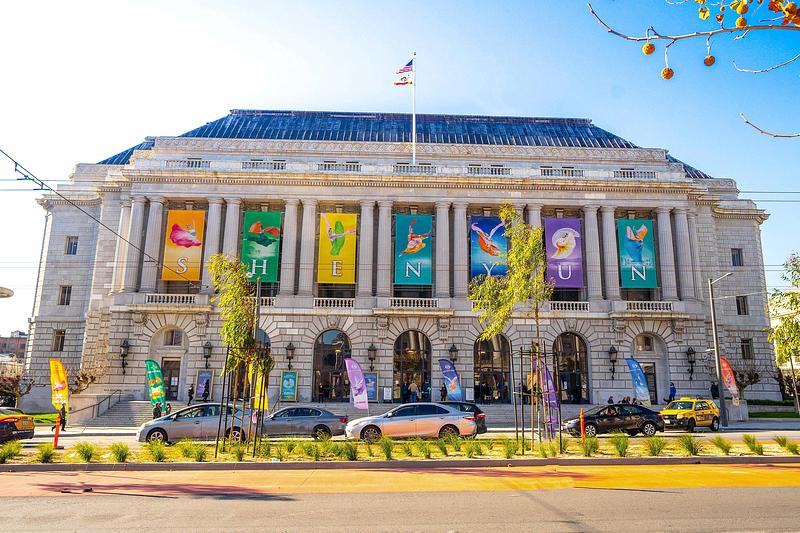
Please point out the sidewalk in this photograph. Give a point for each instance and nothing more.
(84, 431)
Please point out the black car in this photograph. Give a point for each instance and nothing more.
(466, 407)
(6, 431)
(627, 418)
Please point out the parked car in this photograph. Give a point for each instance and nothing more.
(468, 407)
(414, 420)
(195, 422)
(628, 418)
(689, 413)
(22, 424)
(6, 432)
(306, 421)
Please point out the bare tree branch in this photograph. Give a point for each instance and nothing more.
(795, 58)
(765, 132)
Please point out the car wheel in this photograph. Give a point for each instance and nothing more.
(649, 429)
(322, 433)
(157, 435)
(590, 430)
(448, 431)
(715, 424)
(235, 434)
(370, 433)
(691, 425)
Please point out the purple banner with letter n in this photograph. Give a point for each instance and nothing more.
(358, 387)
(640, 388)
(562, 238)
(452, 381)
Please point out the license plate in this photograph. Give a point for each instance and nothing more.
(668, 421)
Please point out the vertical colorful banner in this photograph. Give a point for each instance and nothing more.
(260, 398)
(452, 381)
(545, 381)
(413, 252)
(155, 384)
(358, 386)
(488, 247)
(183, 245)
(261, 245)
(288, 386)
(203, 384)
(337, 248)
(729, 379)
(371, 382)
(59, 384)
(640, 389)
(562, 238)
(637, 256)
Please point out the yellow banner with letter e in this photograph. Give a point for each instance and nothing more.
(337, 248)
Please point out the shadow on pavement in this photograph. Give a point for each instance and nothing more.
(490, 472)
(164, 490)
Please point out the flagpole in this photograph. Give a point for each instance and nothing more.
(414, 109)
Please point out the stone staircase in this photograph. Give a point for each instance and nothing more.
(128, 413)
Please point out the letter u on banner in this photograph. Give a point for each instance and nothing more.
(637, 256)
(412, 250)
(183, 245)
(563, 242)
(337, 248)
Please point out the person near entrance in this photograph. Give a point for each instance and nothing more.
(413, 390)
(404, 392)
(672, 392)
(157, 410)
(426, 392)
(206, 389)
(443, 392)
(190, 394)
(63, 418)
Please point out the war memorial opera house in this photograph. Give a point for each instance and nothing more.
(362, 254)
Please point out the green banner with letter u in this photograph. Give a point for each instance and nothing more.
(637, 256)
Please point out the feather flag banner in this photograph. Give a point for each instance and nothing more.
(637, 256)
(183, 245)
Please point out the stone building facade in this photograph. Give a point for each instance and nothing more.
(302, 164)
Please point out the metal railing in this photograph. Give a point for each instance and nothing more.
(648, 306)
(414, 303)
(488, 171)
(334, 303)
(339, 167)
(635, 174)
(95, 407)
(188, 163)
(263, 165)
(569, 306)
(171, 299)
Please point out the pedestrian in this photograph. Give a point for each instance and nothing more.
(635, 401)
(206, 390)
(626, 399)
(169, 408)
(672, 391)
(610, 400)
(413, 390)
(191, 393)
(321, 392)
(404, 392)
(157, 411)
(63, 418)
(443, 392)
(426, 391)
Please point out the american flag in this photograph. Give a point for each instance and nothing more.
(406, 74)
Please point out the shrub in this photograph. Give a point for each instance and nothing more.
(369, 449)
(654, 446)
(590, 446)
(387, 447)
(510, 448)
(753, 444)
(186, 448)
(290, 445)
(350, 451)
(690, 445)
(490, 444)
(477, 447)
(85, 451)
(9, 450)
(792, 448)
(326, 446)
(442, 445)
(157, 450)
(469, 450)
(238, 450)
(265, 448)
(279, 453)
(620, 442)
(723, 444)
(423, 447)
(542, 451)
(781, 441)
(552, 450)
(453, 441)
(46, 452)
(200, 453)
(563, 444)
(406, 447)
(119, 452)
(315, 452)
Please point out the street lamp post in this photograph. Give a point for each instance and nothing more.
(723, 410)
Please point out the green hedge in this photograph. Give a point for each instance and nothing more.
(770, 402)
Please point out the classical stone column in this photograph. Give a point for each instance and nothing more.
(117, 279)
(443, 249)
(461, 263)
(230, 242)
(610, 257)
(669, 290)
(152, 244)
(593, 277)
(213, 226)
(697, 274)
(683, 244)
(534, 215)
(288, 247)
(134, 246)
(365, 249)
(308, 240)
(384, 285)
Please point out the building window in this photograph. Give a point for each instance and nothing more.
(747, 348)
(173, 337)
(741, 305)
(58, 340)
(71, 247)
(64, 294)
(736, 257)
(644, 343)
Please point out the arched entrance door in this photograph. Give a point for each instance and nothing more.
(492, 370)
(331, 348)
(412, 364)
(573, 368)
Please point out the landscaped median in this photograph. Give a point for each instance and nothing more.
(282, 454)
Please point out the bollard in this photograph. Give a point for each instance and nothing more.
(583, 426)
(58, 429)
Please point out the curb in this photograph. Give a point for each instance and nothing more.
(400, 465)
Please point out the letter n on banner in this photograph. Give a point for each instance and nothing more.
(637, 256)
(412, 250)
(337, 248)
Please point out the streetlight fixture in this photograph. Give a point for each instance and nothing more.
(124, 350)
(453, 353)
(690, 357)
(372, 353)
(723, 411)
(612, 358)
(290, 353)
(207, 348)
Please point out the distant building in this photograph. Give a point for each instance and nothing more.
(14, 344)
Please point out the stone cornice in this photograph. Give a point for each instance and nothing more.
(740, 214)
(49, 202)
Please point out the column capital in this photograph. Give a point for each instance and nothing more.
(691, 214)
(291, 201)
(125, 203)
(383, 204)
(683, 210)
(535, 206)
(460, 205)
(233, 201)
(608, 209)
(215, 200)
(442, 204)
(139, 199)
(310, 202)
(590, 208)
(367, 204)
(156, 199)
(663, 209)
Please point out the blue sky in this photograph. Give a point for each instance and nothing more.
(82, 81)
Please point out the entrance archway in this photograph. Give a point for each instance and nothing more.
(492, 364)
(651, 352)
(573, 368)
(412, 363)
(331, 384)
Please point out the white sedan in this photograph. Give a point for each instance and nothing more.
(413, 420)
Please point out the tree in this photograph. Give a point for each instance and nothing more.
(785, 307)
(731, 18)
(82, 378)
(525, 286)
(15, 382)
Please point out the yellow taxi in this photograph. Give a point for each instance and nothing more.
(689, 413)
(21, 425)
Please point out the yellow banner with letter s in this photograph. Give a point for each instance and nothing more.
(337, 248)
(183, 245)
(59, 384)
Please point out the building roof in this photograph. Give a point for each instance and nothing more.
(396, 127)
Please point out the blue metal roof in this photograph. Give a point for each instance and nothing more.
(124, 157)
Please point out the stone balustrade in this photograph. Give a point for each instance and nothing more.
(414, 303)
(334, 303)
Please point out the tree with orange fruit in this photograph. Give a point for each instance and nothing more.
(784, 16)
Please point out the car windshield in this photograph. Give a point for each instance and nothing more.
(680, 406)
(9, 411)
(594, 411)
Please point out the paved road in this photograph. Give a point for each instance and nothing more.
(756, 498)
